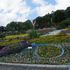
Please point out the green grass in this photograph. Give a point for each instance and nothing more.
(11, 39)
(52, 39)
(67, 28)
(9, 42)
(15, 36)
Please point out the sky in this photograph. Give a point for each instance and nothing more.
(21, 10)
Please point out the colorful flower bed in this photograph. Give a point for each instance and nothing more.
(49, 51)
(16, 46)
(13, 48)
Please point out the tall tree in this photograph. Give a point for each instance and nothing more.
(39, 22)
(11, 26)
(47, 20)
(67, 11)
(58, 16)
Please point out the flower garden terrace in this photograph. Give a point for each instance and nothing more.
(52, 39)
(28, 55)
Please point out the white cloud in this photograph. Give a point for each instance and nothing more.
(42, 10)
(39, 2)
(18, 10)
(62, 4)
(45, 8)
(9, 10)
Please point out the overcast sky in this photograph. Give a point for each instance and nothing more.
(21, 10)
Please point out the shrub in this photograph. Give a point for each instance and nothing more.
(34, 34)
(2, 35)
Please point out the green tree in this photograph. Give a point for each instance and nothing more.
(67, 11)
(47, 20)
(28, 24)
(2, 29)
(65, 23)
(58, 16)
(11, 26)
(39, 22)
(21, 27)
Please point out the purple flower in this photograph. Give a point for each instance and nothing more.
(25, 43)
(4, 51)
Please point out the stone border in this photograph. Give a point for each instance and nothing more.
(35, 65)
(16, 66)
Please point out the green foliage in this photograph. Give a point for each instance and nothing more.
(58, 16)
(52, 19)
(67, 11)
(13, 39)
(39, 22)
(44, 21)
(52, 39)
(2, 29)
(16, 36)
(2, 35)
(65, 23)
(20, 27)
(33, 34)
(47, 20)
(9, 42)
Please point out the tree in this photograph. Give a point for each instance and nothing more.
(47, 20)
(39, 22)
(65, 23)
(2, 29)
(21, 27)
(28, 24)
(67, 11)
(58, 16)
(11, 26)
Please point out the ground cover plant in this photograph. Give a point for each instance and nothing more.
(20, 42)
(49, 51)
(52, 39)
(15, 50)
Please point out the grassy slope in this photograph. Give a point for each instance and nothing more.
(52, 39)
(15, 36)
(12, 39)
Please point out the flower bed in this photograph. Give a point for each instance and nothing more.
(13, 48)
(48, 51)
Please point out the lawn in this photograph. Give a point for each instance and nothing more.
(11, 39)
(52, 39)
(15, 36)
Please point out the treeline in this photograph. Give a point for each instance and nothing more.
(58, 19)
(17, 27)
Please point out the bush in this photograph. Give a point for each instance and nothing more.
(34, 34)
(2, 35)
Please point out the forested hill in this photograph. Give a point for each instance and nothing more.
(59, 19)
